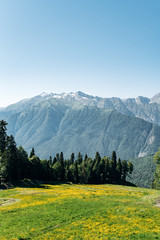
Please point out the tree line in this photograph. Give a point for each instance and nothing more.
(16, 164)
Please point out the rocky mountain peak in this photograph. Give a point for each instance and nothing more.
(155, 98)
(142, 100)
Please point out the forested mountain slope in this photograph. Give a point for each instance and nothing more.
(143, 172)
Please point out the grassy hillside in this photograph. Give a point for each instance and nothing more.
(79, 212)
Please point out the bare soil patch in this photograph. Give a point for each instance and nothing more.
(8, 201)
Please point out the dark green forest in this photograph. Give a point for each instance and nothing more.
(16, 164)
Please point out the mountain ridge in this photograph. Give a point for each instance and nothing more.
(142, 107)
(76, 122)
(78, 94)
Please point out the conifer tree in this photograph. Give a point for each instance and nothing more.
(10, 158)
(101, 171)
(76, 172)
(72, 158)
(79, 158)
(57, 157)
(124, 170)
(32, 153)
(113, 165)
(50, 161)
(95, 170)
(61, 160)
(85, 157)
(54, 161)
(3, 136)
(119, 170)
(107, 170)
(35, 167)
(130, 167)
(22, 163)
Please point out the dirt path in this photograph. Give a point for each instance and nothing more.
(8, 201)
(158, 202)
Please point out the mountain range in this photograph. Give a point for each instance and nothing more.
(78, 122)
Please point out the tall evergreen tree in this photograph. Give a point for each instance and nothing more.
(3, 136)
(61, 160)
(113, 165)
(107, 169)
(35, 167)
(124, 170)
(95, 170)
(97, 157)
(54, 161)
(76, 172)
(57, 157)
(10, 159)
(130, 167)
(50, 161)
(22, 163)
(85, 157)
(72, 158)
(79, 158)
(32, 153)
(119, 170)
(101, 171)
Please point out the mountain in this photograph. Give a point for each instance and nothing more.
(141, 107)
(76, 122)
(155, 98)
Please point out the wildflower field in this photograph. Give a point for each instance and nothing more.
(79, 212)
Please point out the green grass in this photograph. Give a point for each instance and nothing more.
(79, 212)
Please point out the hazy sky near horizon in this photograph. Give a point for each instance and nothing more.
(101, 47)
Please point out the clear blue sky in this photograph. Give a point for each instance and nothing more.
(101, 47)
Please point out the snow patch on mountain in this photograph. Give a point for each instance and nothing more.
(43, 94)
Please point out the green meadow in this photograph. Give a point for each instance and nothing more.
(69, 211)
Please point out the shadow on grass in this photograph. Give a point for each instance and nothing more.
(30, 183)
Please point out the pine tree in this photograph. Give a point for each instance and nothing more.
(61, 160)
(54, 161)
(130, 167)
(3, 136)
(97, 157)
(76, 172)
(85, 157)
(35, 167)
(32, 153)
(57, 157)
(50, 161)
(95, 170)
(107, 170)
(119, 170)
(10, 159)
(124, 170)
(113, 165)
(22, 164)
(72, 158)
(79, 158)
(101, 171)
